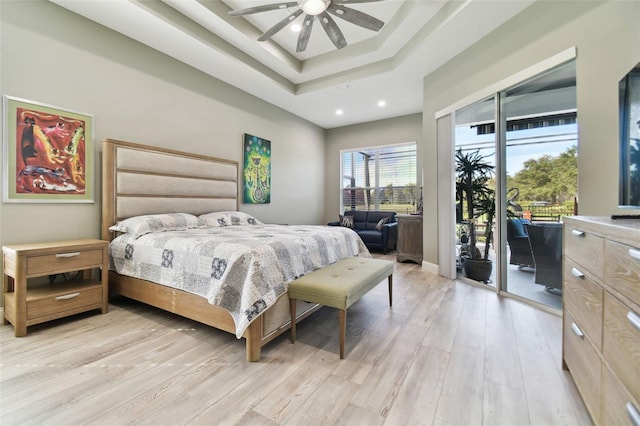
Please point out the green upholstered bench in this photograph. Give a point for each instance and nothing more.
(340, 285)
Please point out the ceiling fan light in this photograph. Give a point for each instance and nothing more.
(314, 7)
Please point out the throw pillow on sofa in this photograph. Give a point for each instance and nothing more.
(381, 222)
(346, 221)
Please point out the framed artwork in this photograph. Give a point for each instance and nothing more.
(48, 154)
(256, 170)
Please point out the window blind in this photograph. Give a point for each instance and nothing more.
(380, 178)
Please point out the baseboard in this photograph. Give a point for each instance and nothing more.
(431, 267)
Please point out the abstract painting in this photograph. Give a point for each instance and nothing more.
(48, 153)
(256, 170)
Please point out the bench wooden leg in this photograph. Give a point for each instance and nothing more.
(343, 330)
(391, 290)
(292, 307)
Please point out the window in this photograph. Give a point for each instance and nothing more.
(381, 178)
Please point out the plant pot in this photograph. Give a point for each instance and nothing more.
(478, 270)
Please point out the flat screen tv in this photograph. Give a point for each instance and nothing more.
(630, 139)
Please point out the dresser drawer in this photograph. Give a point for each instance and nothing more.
(62, 302)
(64, 261)
(621, 342)
(584, 299)
(618, 407)
(585, 248)
(584, 364)
(622, 270)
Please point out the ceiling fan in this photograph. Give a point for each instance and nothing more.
(313, 9)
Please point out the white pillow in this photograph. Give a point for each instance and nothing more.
(140, 225)
(227, 218)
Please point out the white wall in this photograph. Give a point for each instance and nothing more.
(136, 94)
(382, 132)
(607, 38)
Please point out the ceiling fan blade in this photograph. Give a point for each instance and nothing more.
(305, 33)
(263, 8)
(332, 30)
(355, 17)
(353, 1)
(280, 25)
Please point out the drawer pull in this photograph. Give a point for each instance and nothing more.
(576, 273)
(634, 253)
(577, 233)
(634, 414)
(72, 254)
(67, 296)
(634, 319)
(576, 330)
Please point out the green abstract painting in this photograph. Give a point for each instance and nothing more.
(257, 170)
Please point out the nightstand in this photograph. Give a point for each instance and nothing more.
(409, 246)
(85, 290)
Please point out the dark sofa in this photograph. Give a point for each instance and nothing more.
(365, 222)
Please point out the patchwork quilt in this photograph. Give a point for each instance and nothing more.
(241, 268)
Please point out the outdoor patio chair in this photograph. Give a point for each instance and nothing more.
(546, 247)
(519, 243)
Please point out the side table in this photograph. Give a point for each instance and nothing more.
(409, 245)
(26, 305)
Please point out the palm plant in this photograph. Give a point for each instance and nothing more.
(473, 174)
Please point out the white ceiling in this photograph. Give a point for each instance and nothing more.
(418, 37)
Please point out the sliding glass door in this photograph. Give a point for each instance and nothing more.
(529, 138)
(538, 180)
(475, 159)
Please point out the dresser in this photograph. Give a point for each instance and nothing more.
(409, 246)
(78, 274)
(601, 315)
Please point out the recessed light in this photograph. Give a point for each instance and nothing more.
(382, 103)
(296, 28)
(339, 112)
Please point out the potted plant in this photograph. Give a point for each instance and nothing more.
(477, 200)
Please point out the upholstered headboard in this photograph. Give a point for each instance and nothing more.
(140, 179)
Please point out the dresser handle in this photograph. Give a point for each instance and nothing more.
(67, 296)
(577, 233)
(576, 330)
(576, 273)
(72, 254)
(634, 319)
(634, 414)
(634, 253)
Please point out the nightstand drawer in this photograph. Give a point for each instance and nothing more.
(62, 301)
(63, 261)
(584, 299)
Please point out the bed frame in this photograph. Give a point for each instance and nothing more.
(140, 179)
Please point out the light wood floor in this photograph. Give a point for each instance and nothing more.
(446, 354)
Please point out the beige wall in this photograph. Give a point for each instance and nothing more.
(607, 39)
(137, 94)
(383, 132)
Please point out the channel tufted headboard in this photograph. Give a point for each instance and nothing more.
(140, 179)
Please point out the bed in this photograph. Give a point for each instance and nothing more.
(140, 180)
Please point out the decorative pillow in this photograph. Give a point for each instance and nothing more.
(140, 225)
(381, 222)
(346, 221)
(227, 218)
(516, 229)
